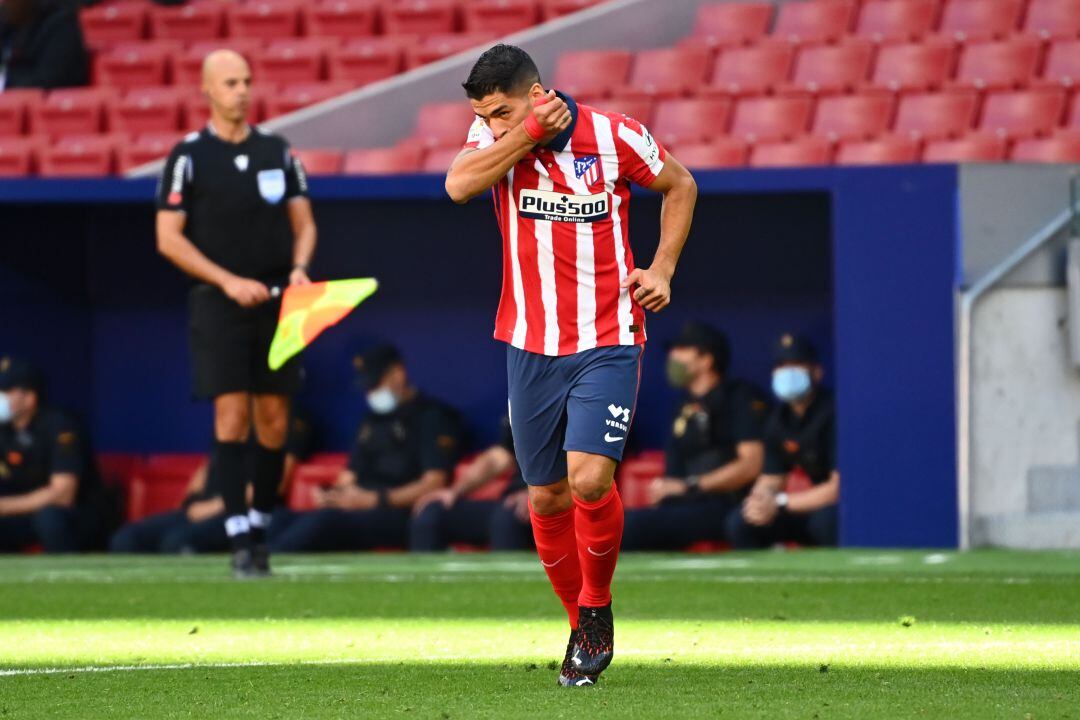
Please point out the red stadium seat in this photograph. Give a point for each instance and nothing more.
(71, 111)
(444, 125)
(15, 107)
(146, 149)
(136, 65)
(367, 60)
(80, 156)
(344, 19)
(969, 20)
(892, 150)
(420, 17)
(831, 68)
(1062, 65)
(117, 470)
(804, 151)
(187, 66)
(906, 68)
(974, 147)
(263, 20)
(1022, 114)
(294, 97)
(437, 160)
(896, 20)
(755, 70)
(1072, 119)
(293, 61)
(638, 107)
(667, 72)
(552, 9)
(998, 65)
(771, 119)
(815, 21)
(852, 117)
(729, 24)
(592, 73)
(160, 483)
(1051, 19)
(635, 474)
(932, 116)
(436, 47)
(403, 158)
(500, 17)
(192, 22)
(721, 153)
(107, 25)
(320, 161)
(1061, 148)
(18, 156)
(147, 110)
(694, 121)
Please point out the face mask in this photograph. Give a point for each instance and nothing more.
(382, 401)
(5, 408)
(678, 375)
(791, 383)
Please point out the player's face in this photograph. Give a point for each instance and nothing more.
(503, 112)
(229, 91)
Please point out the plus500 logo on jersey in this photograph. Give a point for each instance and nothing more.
(560, 207)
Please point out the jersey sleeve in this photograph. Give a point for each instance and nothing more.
(480, 136)
(641, 158)
(440, 441)
(67, 450)
(296, 181)
(749, 415)
(175, 183)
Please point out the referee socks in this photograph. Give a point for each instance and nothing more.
(228, 474)
(268, 468)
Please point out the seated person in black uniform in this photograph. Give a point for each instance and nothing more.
(714, 451)
(41, 45)
(448, 516)
(405, 448)
(198, 526)
(799, 435)
(49, 490)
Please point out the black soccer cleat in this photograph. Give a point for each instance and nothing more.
(260, 560)
(595, 645)
(568, 675)
(243, 565)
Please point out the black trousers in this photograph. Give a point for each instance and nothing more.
(56, 529)
(476, 522)
(171, 532)
(336, 530)
(677, 522)
(814, 528)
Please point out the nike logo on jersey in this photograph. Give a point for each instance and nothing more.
(593, 552)
(553, 564)
(563, 207)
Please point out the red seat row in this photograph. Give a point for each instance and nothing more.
(118, 22)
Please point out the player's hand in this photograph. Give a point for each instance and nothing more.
(653, 288)
(445, 496)
(518, 503)
(244, 292)
(662, 488)
(299, 276)
(552, 114)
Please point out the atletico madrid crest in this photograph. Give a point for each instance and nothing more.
(588, 169)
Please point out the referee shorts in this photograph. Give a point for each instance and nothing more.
(229, 345)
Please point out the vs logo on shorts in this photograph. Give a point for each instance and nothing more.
(587, 169)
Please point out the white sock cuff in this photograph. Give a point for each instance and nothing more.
(258, 519)
(236, 525)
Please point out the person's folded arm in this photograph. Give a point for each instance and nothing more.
(405, 495)
(61, 491)
(817, 497)
(740, 472)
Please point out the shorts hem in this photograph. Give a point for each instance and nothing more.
(608, 451)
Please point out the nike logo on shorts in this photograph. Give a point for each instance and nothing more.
(608, 438)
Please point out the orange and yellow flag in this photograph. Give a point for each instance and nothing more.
(307, 310)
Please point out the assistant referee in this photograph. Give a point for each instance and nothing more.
(233, 213)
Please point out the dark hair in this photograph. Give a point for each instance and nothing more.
(503, 68)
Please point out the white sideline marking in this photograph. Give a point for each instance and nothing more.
(936, 559)
(201, 666)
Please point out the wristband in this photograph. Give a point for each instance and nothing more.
(693, 482)
(532, 125)
(300, 266)
(384, 497)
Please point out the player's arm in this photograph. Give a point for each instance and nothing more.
(679, 189)
(817, 497)
(61, 491)
(407, 494)
(740, 472)
(475, 171)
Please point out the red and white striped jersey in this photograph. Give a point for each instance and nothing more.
(563, 214)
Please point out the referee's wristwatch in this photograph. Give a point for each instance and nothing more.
(693, 483)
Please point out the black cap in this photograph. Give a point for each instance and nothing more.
(375, 363)
(794, 349)
(707, 339)
(19, 373)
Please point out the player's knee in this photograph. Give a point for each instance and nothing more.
(550, 499)
(591, 483)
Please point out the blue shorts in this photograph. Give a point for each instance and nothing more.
(582, 402)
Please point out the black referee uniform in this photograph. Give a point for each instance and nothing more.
(235, 197)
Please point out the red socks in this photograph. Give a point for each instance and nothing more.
(599, 527)
(556, 544)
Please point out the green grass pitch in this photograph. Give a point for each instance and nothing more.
(806, 634)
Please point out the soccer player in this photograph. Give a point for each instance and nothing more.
(572, 312)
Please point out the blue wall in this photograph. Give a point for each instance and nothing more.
(771, 251)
